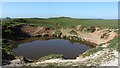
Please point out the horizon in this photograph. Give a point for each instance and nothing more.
(54, 17)
(84, 10)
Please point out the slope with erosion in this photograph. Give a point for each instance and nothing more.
(94, 36)
(63, 28)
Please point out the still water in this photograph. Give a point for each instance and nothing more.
(39, 48)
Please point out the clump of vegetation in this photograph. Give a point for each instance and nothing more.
(58, 33)
(73, 32)
(6, 44)
(114, 43)
(104, 35)
(7, 53)
(91, 29)
(83, 28)
(51, 56)
(92, 51)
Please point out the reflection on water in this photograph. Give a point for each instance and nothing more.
(40, 48)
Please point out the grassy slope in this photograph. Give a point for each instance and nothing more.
(69, 22)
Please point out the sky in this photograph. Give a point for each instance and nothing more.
(60, 0)
(102, 10)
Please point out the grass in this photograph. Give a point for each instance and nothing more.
(7, 45)
(67, 22)
(51, 65)
(114, 43)
(92, 51)
(50, 56)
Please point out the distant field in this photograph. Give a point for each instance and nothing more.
(68, 22)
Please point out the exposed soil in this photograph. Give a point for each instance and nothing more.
(36, 30)
(94, 38)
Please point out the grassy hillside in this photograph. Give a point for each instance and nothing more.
(66, 22)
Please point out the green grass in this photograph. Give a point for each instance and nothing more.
(74, 22)
(68, 22)
(7, 45)
(114, 43)
(92, 51)
(50, 56)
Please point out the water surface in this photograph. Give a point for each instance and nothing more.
(40, 48)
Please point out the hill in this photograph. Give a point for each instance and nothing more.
(58, 22)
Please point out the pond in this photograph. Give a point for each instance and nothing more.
(39, 48)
